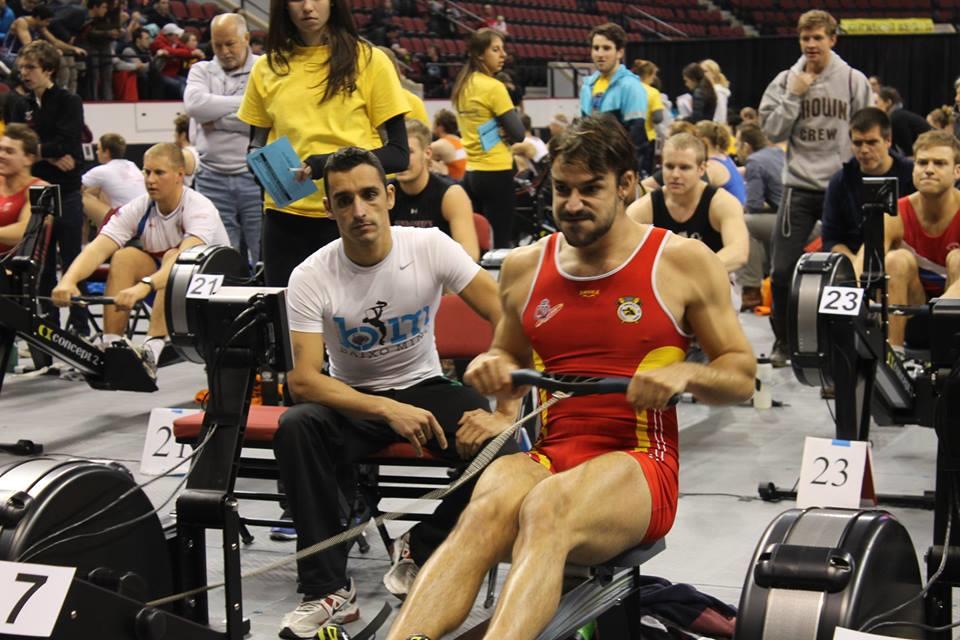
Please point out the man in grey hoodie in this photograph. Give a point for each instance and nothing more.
(212, 97)
(808, 105)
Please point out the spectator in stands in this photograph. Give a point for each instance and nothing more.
(516, 92)
(875, 86)
(19, 149)
(613, 88)
(484, 109)
(256, 45)
(172, 53)
(692, 208)
(133, 63)
(424, 199)
(26, 29)
(447, 150)
(647, 72)
(159, 14)
(763, 176)
(182, 137)
(703, 102)
(322, 97)
(941, 118)
(69, 25)
(379, 24)
(435, 75)
(921, 242)
(489, 18)
(808, 105)
(142, 242)
(529, 153)
(6, 19)
(214, 93)
(906, 125)
(56, 115)
(721, 170)
(721, 86)
(873, 155)
(100, 34)
(113, 183)
(749, 115)
(418, 111)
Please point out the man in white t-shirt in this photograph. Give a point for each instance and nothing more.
(371, 299)
(531, 151)
(142, 242)
(113, 183)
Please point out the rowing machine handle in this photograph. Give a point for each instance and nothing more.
(576, 385)
(91, 300)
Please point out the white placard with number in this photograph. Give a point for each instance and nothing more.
(835, 473)
(847, 634)
(204, 285)
(840, 301)
(31, 596)
(161, 451)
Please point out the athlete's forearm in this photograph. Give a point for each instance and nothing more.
(727, 379)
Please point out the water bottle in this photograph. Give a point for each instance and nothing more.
(761, 397)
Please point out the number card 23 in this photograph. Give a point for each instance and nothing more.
(841, 301)
(835, 473)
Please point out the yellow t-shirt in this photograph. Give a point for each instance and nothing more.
(654, 103)
(418, 110)
(483, 98)
(290, 105)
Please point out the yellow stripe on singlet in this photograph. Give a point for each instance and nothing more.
(655, 359)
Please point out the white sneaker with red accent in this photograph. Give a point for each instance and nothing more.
(339, 607)
(399, 579)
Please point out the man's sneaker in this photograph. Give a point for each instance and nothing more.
(399, 579)
(779, 355)
(146, 357)
(340, 607)
(283, 534)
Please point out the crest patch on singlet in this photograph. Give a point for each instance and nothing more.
(629, 309)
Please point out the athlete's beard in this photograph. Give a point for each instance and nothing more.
(587, 236)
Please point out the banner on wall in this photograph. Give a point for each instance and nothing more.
(886, 26)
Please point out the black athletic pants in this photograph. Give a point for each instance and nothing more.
(313, 441)
(290, 239)
(493, 195)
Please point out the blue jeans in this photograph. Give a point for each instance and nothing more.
(238, 199)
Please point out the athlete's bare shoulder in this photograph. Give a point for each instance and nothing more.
(691, 269)
(518, 270)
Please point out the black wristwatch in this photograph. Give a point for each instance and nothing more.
(149, 282)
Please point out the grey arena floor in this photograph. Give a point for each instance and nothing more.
(725, 452)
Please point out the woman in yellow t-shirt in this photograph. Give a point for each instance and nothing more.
(323, 88)
(486, 115)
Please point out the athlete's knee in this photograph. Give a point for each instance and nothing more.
(546, 510)
(126, 258)
(900, 264)
(953, 263)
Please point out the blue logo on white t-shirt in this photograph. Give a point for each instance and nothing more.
(386, 334)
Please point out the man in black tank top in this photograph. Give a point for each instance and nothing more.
(692, 208)
(427, 200)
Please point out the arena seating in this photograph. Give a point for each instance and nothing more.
(780, 16)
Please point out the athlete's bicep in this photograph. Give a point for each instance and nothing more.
(516, 278)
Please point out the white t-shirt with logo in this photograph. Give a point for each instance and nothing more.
(378, 322)
(195, 216)
(120, 180)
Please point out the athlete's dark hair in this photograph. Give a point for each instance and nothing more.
(612, 32)
(348, 158)
(753, 135)
(342, 36)
(869, 117)
(448, 120)
(597, 142)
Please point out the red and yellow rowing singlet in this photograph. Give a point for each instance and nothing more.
(609, 325)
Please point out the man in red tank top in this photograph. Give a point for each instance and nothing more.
(19, 148)
(922, 243)
(610, 297)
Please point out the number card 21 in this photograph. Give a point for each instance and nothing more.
(841, 301)
(161, 451)
(204, 285)
(835, 473)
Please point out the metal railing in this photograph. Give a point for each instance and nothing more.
(649, 16)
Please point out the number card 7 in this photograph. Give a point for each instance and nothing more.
(31, 596)
(835, 473)
(841, 301)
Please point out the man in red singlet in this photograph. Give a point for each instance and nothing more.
(923, 243)
(611, 297)
(19, 148)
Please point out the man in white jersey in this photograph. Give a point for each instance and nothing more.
(142, 242)
(371, 299)
(113, 183)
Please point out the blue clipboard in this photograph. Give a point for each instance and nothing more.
(272, 165)
(489, 134)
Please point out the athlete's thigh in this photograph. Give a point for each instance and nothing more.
(606, 505)
(507, 482)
